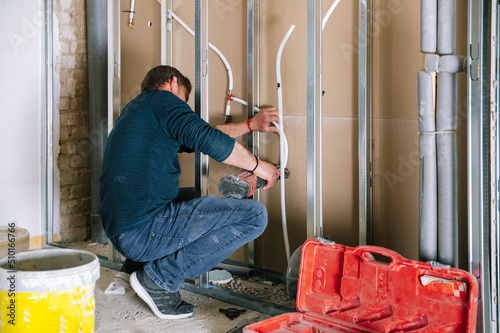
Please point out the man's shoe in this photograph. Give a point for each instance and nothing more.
(165, 305)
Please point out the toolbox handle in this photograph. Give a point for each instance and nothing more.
(365, 251)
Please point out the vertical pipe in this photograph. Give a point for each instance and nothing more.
(364, 119)
(446, 125)
(446, 26)
(428, 25)
(314, 118)
(428, 249)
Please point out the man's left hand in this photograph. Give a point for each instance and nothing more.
(262, 121)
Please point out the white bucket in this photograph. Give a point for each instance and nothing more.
(15, 239)
(48, 291)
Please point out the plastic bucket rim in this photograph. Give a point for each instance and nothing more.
(87, 273)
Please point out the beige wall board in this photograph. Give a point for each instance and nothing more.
(396, 186)
(276, 17)
(340, 180)
(340, 60)
(140, 46)
(396, 58)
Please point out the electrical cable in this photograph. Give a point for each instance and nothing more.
(131, 14)
(221, 56)
(282, 148)
(330, 11)
(283, 160)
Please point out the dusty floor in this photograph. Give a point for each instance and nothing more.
(128, 313)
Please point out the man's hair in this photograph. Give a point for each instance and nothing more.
(160, 75)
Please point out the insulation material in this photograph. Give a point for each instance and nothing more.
(428, 25)
(445, 63)
(452, 64)
(447, 196)
(446, 119)
(446, 27)
(431, 63)
(447, 168)
(428, 170)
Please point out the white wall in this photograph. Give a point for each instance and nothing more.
(21, 114)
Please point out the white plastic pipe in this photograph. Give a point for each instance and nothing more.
(283, 160)
(131, 14)
(282, 147)
(328, 13)
(221, 56)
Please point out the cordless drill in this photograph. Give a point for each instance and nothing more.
(243, 185)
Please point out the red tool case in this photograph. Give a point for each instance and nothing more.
(343, 289)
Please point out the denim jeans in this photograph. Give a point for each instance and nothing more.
(189, 238)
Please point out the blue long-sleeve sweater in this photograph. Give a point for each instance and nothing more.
(140, 172)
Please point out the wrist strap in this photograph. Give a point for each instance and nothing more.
(248, 124)
(257, 159)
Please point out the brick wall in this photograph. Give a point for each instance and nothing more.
(74, 157)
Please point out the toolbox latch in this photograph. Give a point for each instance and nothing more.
(325, 241)
(436, 264)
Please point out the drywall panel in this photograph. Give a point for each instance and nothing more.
(396, 58)
(396, 185)
(340, 60)
(276, 17)
(140, 46)
(21, 116)
(340, 180)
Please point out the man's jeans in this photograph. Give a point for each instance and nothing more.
(189, 238)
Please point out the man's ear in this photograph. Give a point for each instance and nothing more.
(173, 82)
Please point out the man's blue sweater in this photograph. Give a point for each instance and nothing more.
(140, 171)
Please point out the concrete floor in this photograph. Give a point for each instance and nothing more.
(128, 313)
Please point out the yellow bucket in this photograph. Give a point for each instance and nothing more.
(48, 291)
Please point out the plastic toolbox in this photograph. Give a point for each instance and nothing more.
(373, 289)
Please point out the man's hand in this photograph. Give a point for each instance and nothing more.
(262, 120)
(269, 172)
(242, 158)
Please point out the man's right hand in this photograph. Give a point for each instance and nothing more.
(269, 172)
